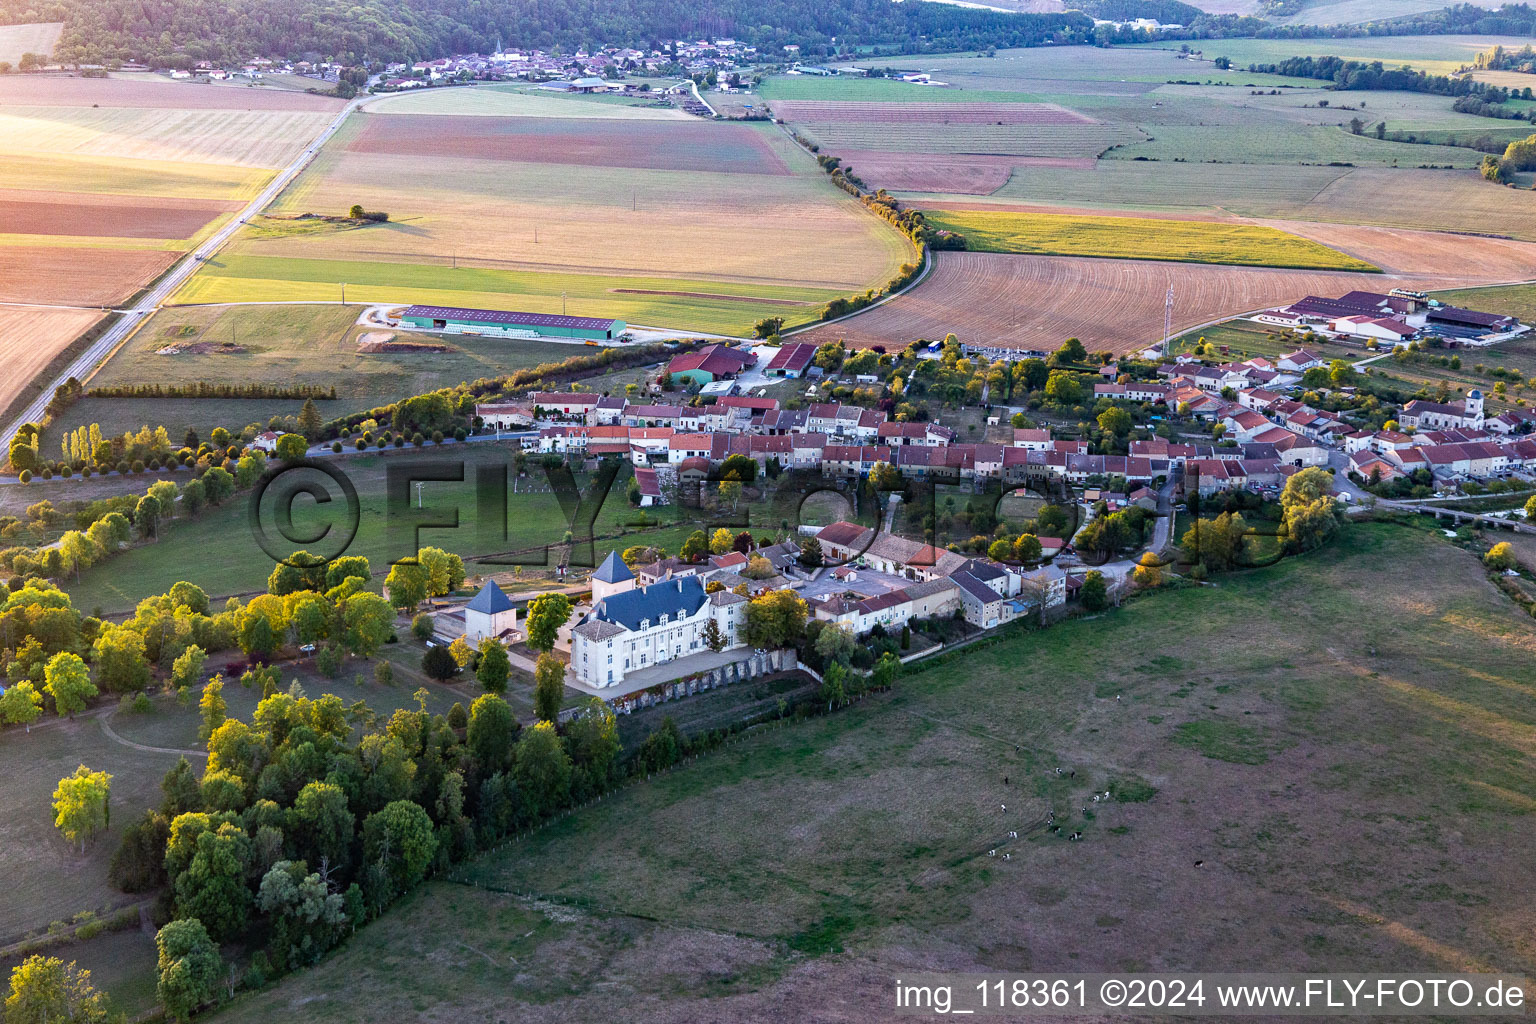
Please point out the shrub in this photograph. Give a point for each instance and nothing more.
(336, 447)
(26, 476)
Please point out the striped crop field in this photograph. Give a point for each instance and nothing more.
(1077, 140)
(1119, 183)
(1285, 144)
(1183, 241)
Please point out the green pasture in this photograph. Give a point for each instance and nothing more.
(242, 278)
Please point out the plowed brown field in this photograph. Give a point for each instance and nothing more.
(1430, 253)
(57, 91)
(26, 212)
(1037, 302)
(77, 276)
(30, 337)
(651, 145)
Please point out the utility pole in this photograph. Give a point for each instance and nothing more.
(343, 293)
(562, 303)
(1167, 319)
(418, 492)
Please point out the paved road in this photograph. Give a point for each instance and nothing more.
(130, 319)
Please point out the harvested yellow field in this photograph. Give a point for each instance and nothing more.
(1142, 238)
(243, 138)
(784, 226)
(112, 176)
(39, 38)
(30, 337)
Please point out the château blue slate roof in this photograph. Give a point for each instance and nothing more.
(613, 570)
(490, 600)
(675, 598)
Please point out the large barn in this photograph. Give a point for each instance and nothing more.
(504, 324)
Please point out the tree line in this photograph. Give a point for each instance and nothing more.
(181, 32)
(1457, 19)
(1357, 74)
(214, 389)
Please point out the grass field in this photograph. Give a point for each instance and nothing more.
(1356, 785)
(1299, 144)
(1050, 140)
(40, 38)
(219, 552)
(281, 346)
(661, 206)
(1439, 55)
(1184, 241)
(1280, 155)
(878, 90)
(650, 301)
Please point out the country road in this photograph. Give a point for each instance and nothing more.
(130, 319)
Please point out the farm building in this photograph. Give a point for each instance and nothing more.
(505, 324)
(790, 361)
(1471, 319)
(711, 363)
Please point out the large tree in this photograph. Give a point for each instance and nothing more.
(213, 708)
(46, 990)
(68, 682)
(546, 614)
(21, 704)
(491, 733)
(120, 663)
(593, 733)
(320, 826)
(543, 768)
(494, 667)
(398, 842)
(189, 968)
(212, 886)
(776, 619)
(368, 621)
(548, 687)
(406, 584)
(81, 805)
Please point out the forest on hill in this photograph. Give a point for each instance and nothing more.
(158, 31)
